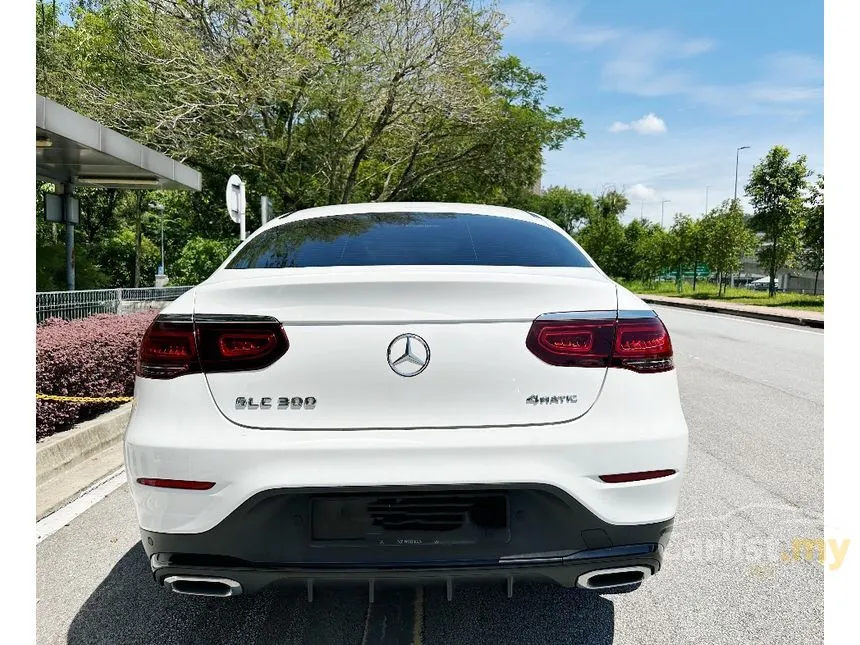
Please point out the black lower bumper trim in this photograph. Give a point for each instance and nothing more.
(565, 572)
(418, 534)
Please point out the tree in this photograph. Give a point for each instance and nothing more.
(566, 208)
(603, 236)
(682, 244)
(812, 255)
(725, 239)
(198, 260)
(776, 190)
(653, 252)
(122, 258)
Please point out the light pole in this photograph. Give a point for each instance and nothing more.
(737, 159)
(707, 188)
(735, 200)
(663, 210)
(160, 208)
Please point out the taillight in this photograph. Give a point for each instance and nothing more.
(641, 344)
(574, 343)
(168, 349)
(173, 346)
(240, 343)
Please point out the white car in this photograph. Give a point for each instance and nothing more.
(411, 391)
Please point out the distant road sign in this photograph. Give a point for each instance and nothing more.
(236, 202)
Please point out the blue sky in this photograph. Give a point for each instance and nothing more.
(668, 90)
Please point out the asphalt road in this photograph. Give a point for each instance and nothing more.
(753, 396)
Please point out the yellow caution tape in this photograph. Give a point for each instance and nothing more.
(84, 399)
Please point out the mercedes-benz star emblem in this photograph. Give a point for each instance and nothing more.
(408, 355)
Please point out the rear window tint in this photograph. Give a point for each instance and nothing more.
(373, 239)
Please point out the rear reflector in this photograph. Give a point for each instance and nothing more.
(636, 477)
(172, 347)
(175, 483)
(638, 344)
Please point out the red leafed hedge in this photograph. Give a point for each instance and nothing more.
(95, 356)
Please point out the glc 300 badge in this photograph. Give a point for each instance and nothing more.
(279, 403)
(539, 399)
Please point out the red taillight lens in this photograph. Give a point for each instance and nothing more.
(643, 345)
(168, 349)
(246, 344)
(638, 344)
(239, 344)
(224, 344)
(579, 343)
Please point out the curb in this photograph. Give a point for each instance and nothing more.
(61, 452)
(789, 318)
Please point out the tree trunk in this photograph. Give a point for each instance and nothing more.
(770, 287)
(815, 286)
(695, 266)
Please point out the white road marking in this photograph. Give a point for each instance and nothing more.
(786, 326)
(52, 523)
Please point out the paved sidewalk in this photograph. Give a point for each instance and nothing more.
(791, 316)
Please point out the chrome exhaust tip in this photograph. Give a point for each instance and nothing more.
(618, 577)
(203, 586)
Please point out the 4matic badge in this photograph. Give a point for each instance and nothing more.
(540, 399)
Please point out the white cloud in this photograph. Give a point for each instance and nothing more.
(544, 21)
(642, 193)
(648, 124)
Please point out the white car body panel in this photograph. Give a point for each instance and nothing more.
(176, 432)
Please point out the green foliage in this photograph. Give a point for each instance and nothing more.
(198, 260)
(567, 208)
(776, 190)
(116, 258)
(726, 238)
(812, 255)
(311, 103)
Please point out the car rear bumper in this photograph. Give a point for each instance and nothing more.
(539, 533)
(176, 432)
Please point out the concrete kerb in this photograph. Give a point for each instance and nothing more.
(807, 319)
(63, 451)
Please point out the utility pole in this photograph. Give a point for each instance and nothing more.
(706, 199)
(737, 160)
(735, 201)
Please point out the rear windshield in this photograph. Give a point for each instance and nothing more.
(373, 239)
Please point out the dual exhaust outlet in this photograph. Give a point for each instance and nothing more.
(617, 577)
(203, 586)
(225, 587)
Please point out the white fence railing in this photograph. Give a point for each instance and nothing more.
(80, 304)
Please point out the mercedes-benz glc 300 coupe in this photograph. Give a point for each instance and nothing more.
(413, 391)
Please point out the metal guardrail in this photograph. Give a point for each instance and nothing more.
(81, 304)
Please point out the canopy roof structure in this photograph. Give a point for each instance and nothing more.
(72, 149)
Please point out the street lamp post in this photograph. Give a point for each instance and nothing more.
(735, 200)
(737, 160)
(160, 208)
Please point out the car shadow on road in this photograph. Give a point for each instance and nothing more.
(128, 608)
